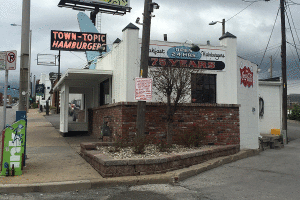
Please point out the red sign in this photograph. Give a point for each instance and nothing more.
(11, 57)
(186, 63)
(246, 76)
(77, 41)
(143, 89)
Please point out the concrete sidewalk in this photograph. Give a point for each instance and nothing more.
(54, 164)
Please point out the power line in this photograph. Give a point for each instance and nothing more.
(77, 56)
(270, 36)
(292, 34)
(293, 23)
(261, 51)
(240, 11)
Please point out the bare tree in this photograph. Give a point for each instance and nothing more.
(171, 85)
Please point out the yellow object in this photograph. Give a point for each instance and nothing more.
(275, 131)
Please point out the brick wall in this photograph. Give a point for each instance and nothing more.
(219, 121)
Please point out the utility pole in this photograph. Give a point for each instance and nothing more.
(141, 105)
(29, 77)
(283, 68)
(5, 98)
(58, 77)
(23, 87)
(271, 67)
(223, 27)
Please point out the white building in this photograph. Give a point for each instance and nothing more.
(230, 79)
(44, 79)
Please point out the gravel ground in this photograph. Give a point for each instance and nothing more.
(151, 151)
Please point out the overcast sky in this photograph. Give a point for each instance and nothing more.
(181, 19)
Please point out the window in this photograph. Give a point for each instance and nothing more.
(203, 88)
(104, 92)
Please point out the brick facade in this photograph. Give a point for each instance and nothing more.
(219, 121)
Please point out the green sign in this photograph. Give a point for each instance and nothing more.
(13, 142)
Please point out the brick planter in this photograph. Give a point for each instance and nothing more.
(110, 167)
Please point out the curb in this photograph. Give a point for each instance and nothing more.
(172, 177)
(183, 174)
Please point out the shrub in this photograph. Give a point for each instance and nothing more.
(192, 138)
(163, 146)
(295, 114)
(35, 105)
(121, 142)
(139, 144)
(52, 108)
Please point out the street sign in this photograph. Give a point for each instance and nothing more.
(11, 60)
(143, 89)
(2, 60)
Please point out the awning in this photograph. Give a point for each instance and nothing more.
(82, 78)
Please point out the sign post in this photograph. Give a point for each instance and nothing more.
(7, 62)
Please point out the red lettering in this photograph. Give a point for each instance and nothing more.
(202, 65)
(67, 45)
(55, 33)
(84, 45)
(55, 43)
(192, 64)
(79, 45)
(94, 46)
(183, 63)
(90, 37)
(60, 35)
(154, 61)
(103, 38)
(211, 65)
(90, 46)
(73, 45)
(162, 62)
(95, 37)
(173, 63)
(67, 36)
(61, 44)
(74, 36)
(98, 46)
(84, 36)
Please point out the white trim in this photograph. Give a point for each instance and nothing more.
(80, 71)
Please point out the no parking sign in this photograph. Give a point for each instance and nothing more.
(11, 60)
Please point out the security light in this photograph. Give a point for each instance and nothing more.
(213, 23)
(138, 21)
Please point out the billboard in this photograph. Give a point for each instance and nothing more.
(77, 41)
(116, 7)
(111, 2)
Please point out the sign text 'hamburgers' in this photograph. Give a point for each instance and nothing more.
(77, 41)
